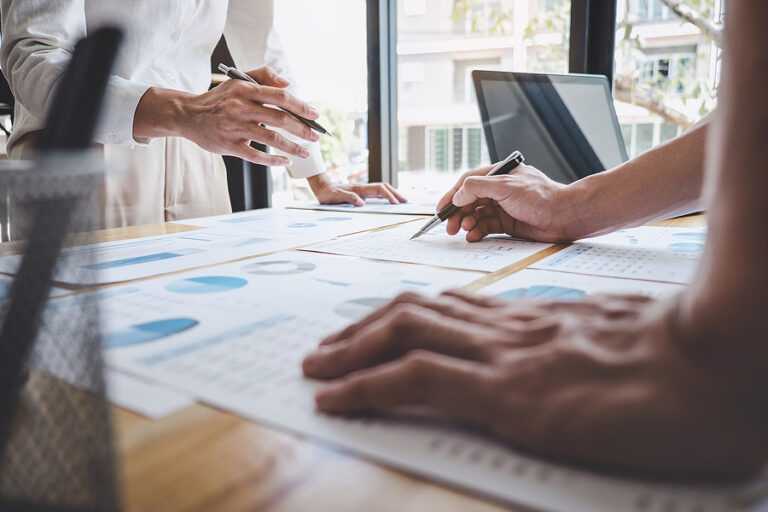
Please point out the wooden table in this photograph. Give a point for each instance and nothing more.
(204, 459)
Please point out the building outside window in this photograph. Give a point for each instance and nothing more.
(666, 75)
(667, 71)
(440, 135)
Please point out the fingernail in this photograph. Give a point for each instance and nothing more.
(314, 113)
(304, 153)
(314, 136)
(286, 161)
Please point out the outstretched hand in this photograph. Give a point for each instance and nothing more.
(599, 380)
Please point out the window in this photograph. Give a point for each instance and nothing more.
(666, 72)
(333, 77)
(439, 126)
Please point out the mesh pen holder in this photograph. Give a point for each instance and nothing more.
(56, 453)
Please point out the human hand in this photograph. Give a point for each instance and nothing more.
(227, 118)
(353, 193)
(601, 380)
(524, 204)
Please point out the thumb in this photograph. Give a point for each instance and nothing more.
(475, 188)
(269, 77)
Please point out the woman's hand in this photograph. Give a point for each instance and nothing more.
(330, 193)
(600, 380)
(227, 118)
(523, 204)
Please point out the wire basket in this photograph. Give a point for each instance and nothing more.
(56, 448)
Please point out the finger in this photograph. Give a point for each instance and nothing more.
(268, 76)
(378, 190)
(448, 197)
(246, 152)
(457, 387)
(404, 329)
(259, 114)
(347, 196)
(474, 188)
(482, 301)
(484, 227)
(400, 197)
(275, 140)
(453, 225)
(404, 298)
(282, 98)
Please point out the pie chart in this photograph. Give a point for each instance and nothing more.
(358, 308)
(688, 247)
(147, 332)
(545, 292)
(302, 225)
(206, 284)
(701, 237)
(279, 267)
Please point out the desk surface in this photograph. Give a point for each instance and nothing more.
(204, 459)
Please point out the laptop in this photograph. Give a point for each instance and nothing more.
(565, 125)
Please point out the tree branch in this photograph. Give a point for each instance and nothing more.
(627, 90)
(706, 26)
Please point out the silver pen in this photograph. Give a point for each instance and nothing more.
(235, 73)
(504, 167)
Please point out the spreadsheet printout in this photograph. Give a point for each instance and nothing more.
(434, 248)
(234, 336)
(646, 253)
(565, 287)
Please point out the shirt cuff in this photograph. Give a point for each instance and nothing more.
(307, 167)
(120, 103)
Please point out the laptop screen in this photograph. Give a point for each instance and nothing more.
(565, 125)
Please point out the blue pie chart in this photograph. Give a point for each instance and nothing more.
(545, 292)
(686, 247)
(147, 332)
(701, 237)
(207, 284)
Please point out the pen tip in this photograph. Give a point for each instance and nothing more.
(414, 236)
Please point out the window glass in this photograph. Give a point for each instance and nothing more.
(666, 71)
(331, 71)
(440, 43)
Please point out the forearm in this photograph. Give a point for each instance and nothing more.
(661, 183)
(728, 300)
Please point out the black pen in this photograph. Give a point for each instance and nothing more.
(235, 73)
(504, 167)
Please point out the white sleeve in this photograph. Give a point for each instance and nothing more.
(37, 43)
(254, 43)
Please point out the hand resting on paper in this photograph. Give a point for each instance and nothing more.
(602, 380)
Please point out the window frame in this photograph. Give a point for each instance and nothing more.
(592, 46)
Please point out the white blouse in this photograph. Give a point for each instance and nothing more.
(167, 43)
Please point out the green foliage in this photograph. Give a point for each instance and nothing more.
(335, 150)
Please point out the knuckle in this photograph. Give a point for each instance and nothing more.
(272, 137)
(403, 319)
(407, 297)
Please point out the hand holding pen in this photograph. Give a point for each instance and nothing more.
(504, 167)
(225, 119)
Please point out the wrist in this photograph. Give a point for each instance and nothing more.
(161, 113)
(575, 219)
(319, 182)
